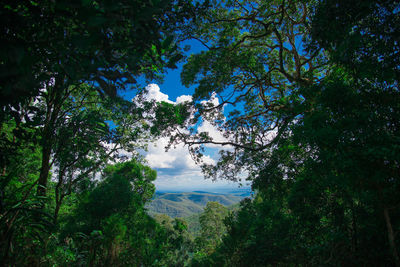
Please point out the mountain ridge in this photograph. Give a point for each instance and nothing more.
(184, 204)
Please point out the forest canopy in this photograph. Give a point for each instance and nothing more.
(307, 101)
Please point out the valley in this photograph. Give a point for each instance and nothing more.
(185, 204)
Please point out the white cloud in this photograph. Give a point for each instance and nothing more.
(183, 98)
(177, 170)
(213, 101)
(175, 160)
(154, 93)
(213, 132)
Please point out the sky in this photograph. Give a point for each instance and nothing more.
(176, 170)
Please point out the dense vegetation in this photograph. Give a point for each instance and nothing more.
(308, 104)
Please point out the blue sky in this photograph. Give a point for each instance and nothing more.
(176, 170)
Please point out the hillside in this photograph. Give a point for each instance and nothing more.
(188, 203)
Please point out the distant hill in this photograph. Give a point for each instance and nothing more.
(188, 203)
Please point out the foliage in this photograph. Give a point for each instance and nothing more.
(326, 190)
(305, 94)
(332, 187)
(211, 222)
(361, 35)
(110, 226)
(211, 233)
(62, 65)
(180, 242)
(252, 66)
(20, 220)
(314, 90)
(105, 42)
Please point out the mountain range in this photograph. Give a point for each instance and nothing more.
(184, 204)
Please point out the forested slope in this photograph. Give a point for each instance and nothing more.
(185, 204)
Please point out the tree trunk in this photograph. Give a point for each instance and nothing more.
(59, 195)
(56, 211)
(354, 237)
(54, 103)
(45, 169)
(59, 200)
(391, 236)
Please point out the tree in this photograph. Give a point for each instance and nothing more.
(106, 42)
(56, 46)
(260, 233)
(85, 139)
(22, 224)
(337, 161)
(65, 65)
(367, 49)
(316, 126)
(179, 243)
(253, 64)
(106, 214)
(212, 225)
(361, 35)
